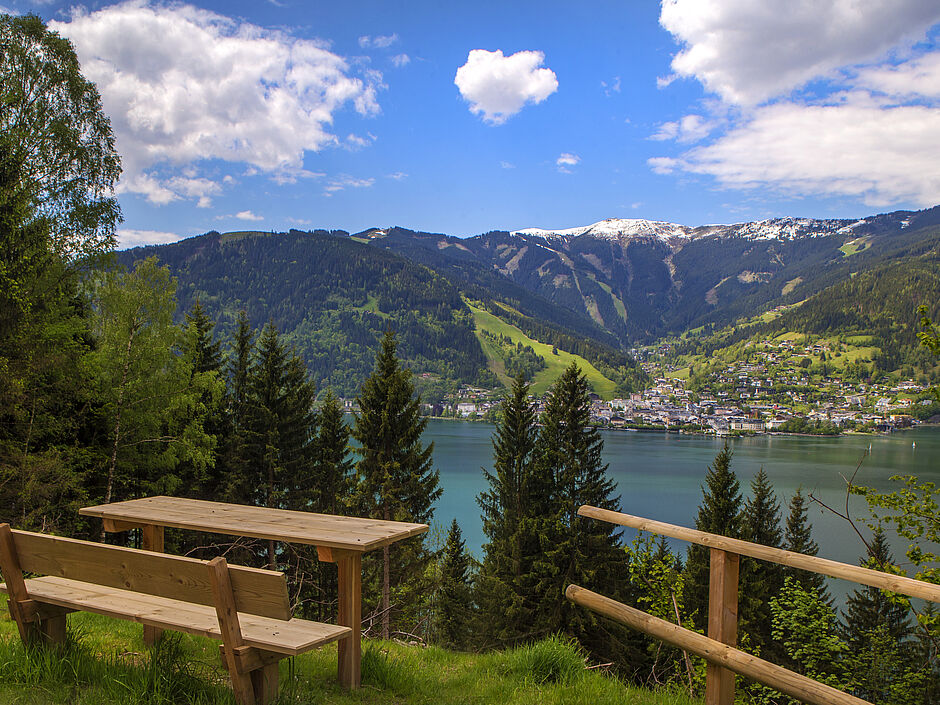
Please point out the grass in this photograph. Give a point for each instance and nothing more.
(106, 663)
(854, 246)
(555, 364)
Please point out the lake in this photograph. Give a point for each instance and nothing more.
(659, 475)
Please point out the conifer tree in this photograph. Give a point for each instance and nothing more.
(454, 608)
(396, 478)
(508, 554)
(569, 472)
(280, 424)
(798, 537)
(759, 580)
(204, 352)
(877, 631)
(719, 513)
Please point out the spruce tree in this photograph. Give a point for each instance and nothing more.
(510, 549)
(396, 478)
(569, 472)
(798, 537)
(719, 513)
(759, 580)
(279, 426)
(877, 631)
(454, 608)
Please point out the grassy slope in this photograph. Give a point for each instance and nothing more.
(556, 364)
(111, 666)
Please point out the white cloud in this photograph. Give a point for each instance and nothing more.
(248, 215)
(507, 165)
(498, 86)
(182, 85)
(345, 181)
(690, 128)
(918, 77)
(128, 238)
(748, 51)
(398, 175)
(400, 60)
(612, 87)
(379, 42)
(565, 160)
(857, 148)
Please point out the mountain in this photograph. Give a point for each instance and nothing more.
(639, 280)
(333, 297)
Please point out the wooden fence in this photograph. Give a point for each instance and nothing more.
(718, 647)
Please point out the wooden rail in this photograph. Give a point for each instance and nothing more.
(788, 682)
(718, 647)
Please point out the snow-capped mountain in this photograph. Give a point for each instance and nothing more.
(623, 229)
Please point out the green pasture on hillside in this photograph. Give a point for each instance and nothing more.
(555, 364)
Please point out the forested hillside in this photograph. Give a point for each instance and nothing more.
(332, 297)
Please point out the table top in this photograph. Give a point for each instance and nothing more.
(349, 533)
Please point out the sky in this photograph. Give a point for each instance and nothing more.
(463, 118)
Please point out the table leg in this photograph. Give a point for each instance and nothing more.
(349, 567)
(152, 540)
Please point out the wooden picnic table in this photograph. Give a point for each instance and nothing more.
(341, 540)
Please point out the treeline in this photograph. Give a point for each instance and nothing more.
(536, 545)
(332, 297)
(519, 359)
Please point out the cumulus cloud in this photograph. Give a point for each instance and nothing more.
(497, 87)
(565, 160)
(859, 149)
(748, 51)
(867, 131)
(248, 215)
(690, 128)
(400, 60)
(128, 238)
(183, 85)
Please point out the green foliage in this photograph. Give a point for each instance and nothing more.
(455, 604)
(556, 659)
(567, 472)
(395, 480)
(759, 580)
(509, 527)
(332, 297)
(52, 126)
(719, 513)
(149, 394)
(816, 427)
(806, 627)
(798, 537)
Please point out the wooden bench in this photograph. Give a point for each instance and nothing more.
(246, 608)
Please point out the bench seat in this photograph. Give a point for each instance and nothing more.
(290, 637)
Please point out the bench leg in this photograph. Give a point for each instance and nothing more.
(265, 681)
(349, 569)
(52, 629)
(152, 540)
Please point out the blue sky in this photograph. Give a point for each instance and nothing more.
(463, 118)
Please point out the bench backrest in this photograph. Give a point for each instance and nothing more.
(261, 592)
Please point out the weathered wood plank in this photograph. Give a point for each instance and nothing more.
(262, 592)
(787, 682)
(290, 638)
(12, 571)
(722, 622)
(814, 564)
(151, 540)
(231, 630)
(349, 571)
(351, 533)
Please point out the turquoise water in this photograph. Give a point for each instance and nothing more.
(659, 476)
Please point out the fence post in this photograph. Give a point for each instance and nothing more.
(722, 622)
